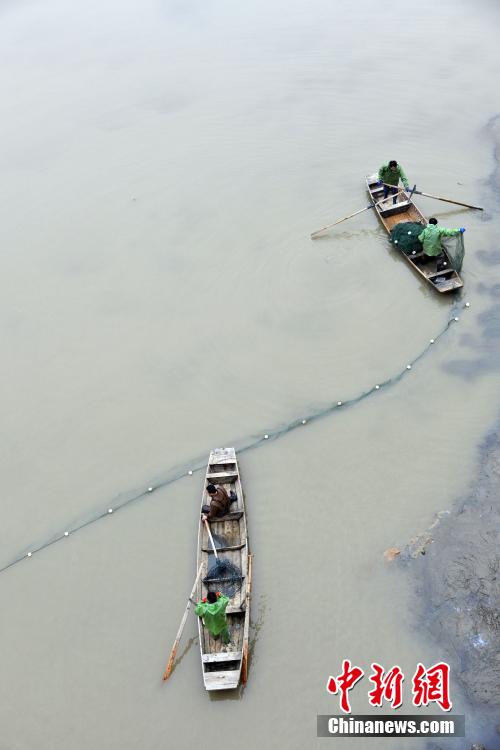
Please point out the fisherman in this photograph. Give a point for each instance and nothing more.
(390, 174)
(212, 609)
(219, 503)
(431, 240)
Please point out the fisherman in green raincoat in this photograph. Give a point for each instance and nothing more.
(390, 174)
(431, 238)
(213, 611)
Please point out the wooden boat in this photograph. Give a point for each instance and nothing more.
(223, 666)
(405, 210)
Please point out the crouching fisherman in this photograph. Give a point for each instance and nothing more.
(212, 609)
(219, 502)
(431, 241)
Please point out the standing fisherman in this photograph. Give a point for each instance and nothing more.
(213, 611)
(431, 240)
(390, 174)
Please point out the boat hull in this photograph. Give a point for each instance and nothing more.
(406, 210)
(222, 664)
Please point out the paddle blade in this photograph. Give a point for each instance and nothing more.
(170, 664)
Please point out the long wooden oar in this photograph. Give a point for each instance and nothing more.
(372, 205)
(170, 664)
(211, 538)
(448, 200)
(394, 186)
(244, 659)
(329, 226)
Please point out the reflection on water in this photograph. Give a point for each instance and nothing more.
(187, 648)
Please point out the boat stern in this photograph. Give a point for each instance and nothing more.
(221, 680)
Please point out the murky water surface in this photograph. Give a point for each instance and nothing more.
(163, 166)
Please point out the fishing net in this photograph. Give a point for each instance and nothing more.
(455, 249)
(225, 577)
(405, 237)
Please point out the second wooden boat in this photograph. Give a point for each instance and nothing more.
(390, 214)
(223, 665)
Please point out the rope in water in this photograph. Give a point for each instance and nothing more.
(177, 473)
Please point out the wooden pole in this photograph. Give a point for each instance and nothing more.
(244, 660)
(211, 538)
(448, 200)
(372, 205)
(171, 659)
(395, 186)
(329, 226)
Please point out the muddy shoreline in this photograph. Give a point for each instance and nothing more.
(456, 564)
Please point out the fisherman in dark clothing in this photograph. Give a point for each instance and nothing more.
(219, 503)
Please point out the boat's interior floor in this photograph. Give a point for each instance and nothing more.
(226, 532)
(406, 211)
(235, 624)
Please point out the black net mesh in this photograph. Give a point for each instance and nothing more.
(405, 237)
(455, 250)
(225, 577)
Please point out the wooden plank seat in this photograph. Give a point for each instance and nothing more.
(222, 656)
(227, 476)
(229, 578)
(394, 208)
(234, 516)
(441, 273)
(235, 610)
(234, 548)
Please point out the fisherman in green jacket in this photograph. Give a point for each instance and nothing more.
(213, 611)
(431, 238)
(390, 174)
